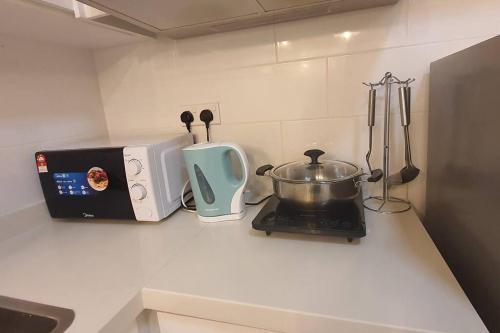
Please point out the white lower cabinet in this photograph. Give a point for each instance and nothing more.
(170, 323)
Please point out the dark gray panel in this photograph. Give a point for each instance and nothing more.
(463, 183)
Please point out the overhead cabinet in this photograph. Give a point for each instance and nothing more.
(178, 19)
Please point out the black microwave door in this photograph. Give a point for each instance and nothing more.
(85, 183)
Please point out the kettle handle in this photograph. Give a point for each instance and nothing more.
(237, 203)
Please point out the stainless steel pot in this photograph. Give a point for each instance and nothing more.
(314, 184)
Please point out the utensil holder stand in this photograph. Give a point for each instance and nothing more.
(387, 204)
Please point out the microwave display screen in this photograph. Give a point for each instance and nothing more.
(73, 184)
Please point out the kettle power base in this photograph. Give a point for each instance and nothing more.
(220, 218)
(345, 219)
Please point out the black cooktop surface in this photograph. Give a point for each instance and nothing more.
(344, 219)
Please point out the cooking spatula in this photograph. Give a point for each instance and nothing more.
(375, 175)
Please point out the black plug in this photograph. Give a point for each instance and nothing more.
(207, 116)
(187, 118)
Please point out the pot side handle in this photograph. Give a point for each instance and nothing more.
(376, 176)
(373, 178)
(261, 171)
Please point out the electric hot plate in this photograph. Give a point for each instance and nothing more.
(343, 219)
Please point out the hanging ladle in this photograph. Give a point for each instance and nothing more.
(409, 172)
(375, 175)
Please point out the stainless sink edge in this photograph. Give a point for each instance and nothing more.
(63, 317)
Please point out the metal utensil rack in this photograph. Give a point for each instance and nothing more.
(386, 203)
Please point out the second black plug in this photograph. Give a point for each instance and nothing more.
(207, 117)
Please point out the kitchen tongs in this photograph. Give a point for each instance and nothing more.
(375, 175)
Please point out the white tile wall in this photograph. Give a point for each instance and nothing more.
(348, 97)
(344, 33)
(50, 95)
(262, 144)
(439, 20)
(223, 51)
(287, 91)
(285, 88)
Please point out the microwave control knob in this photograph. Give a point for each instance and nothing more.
(138, 192)
(134, 167)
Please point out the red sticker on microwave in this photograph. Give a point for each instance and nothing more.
(41, 163)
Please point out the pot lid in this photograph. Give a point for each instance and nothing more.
(316, 171)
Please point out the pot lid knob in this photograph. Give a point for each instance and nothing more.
(314, 154)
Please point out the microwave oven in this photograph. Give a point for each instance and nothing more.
(139, 179)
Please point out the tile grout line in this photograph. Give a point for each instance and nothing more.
(93, 55)
(275, 42)
(282, 157)
(64, 139)
(280, 121)
(327, 102)
(276, 61)
(408, 5)
(23, 207)
(380, 49)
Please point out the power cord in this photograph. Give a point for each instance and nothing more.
(207, 116)
(192, 208)
(258, 202)
(187, 118)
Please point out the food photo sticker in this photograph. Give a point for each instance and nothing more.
(41, 163)
(97, 179)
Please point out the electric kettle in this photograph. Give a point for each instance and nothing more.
(217, 183)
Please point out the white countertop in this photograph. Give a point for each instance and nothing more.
(393, 280)
(93, 268)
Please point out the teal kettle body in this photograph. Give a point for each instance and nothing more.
(217, 189)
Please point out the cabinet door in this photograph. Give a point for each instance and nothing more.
(284, 4)
(61, 4)
(170, 323)
(168, 14)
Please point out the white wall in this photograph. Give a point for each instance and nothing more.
(286, 88)
(49, 96)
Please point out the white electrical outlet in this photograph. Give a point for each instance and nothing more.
(196, 110)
